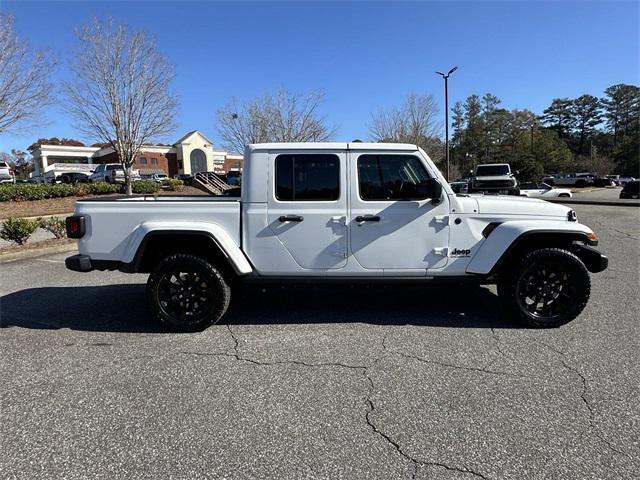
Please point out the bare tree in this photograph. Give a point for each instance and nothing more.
(120, 92)
(280, 117)
(415, 121)
(24, 85)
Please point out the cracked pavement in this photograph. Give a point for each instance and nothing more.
(319, 383)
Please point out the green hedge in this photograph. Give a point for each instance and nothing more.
(145, 186)
(172, 184)
(22, 192)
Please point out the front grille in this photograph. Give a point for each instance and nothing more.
(493, 183)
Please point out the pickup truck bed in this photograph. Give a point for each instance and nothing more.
(107, 239)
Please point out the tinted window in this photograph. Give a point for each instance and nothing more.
(307, 177)
(528, 186)
(113, 167)
(390, 177)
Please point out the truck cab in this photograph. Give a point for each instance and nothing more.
(340, 212)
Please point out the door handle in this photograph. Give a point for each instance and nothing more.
(367, 218)
(291, 218)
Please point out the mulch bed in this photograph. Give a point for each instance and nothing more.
(63, 206)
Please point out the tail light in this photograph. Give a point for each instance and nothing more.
(113, 173)
(10, 172)
(75, 226)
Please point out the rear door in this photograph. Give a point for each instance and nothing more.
(393, 226)
(307, 208)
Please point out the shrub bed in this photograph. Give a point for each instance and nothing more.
(172, 184)
(144, 186)
(18, 230)
(41, 191)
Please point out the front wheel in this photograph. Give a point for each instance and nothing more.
(187, 293)
(550, 287)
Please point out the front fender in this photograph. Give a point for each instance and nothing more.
(507, 234)
(236, 257)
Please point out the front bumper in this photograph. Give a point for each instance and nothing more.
(592, 258)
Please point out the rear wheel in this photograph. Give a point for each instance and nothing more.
(187, 293)
(549, 287)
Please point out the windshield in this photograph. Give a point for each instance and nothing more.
(491, 170)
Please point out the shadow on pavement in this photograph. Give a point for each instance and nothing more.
(122, 308)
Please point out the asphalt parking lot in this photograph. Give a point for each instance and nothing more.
(354, 383)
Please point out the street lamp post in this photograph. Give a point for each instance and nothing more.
(446, 113)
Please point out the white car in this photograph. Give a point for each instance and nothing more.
(543, 190)
(6, 173)
(620, 180)
(158, 177)
(111, 173)
(339, 212)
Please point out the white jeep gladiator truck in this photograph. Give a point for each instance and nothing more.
(341, 212)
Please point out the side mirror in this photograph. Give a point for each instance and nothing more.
(91, 171)
(431, 188)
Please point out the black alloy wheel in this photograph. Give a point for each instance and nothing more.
(187, 293)
(549, 288)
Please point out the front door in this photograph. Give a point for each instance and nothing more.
(198, 161)
(392, 226)
(307, 207)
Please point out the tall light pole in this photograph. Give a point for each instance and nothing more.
(446, 113)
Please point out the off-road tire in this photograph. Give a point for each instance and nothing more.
(187, 293)
(568, 286)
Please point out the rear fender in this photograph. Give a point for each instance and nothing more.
(505, 237)
(145, 230)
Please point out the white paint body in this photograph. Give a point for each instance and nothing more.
(412, 239)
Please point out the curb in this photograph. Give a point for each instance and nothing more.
(611, 203)
(34, 253)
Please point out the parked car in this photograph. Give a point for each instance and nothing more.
(579, 180)
(158, 177)
(339, 212)
(72, 178)
(111, 173)
(7, 175)
(234, 178)
(631, 190)
(543, 190)
(603, 182)
(493, 178)
(621, 180)
(459, 187)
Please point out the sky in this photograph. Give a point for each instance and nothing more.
(365, 56)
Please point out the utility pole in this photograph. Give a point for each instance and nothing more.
(446, 114)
